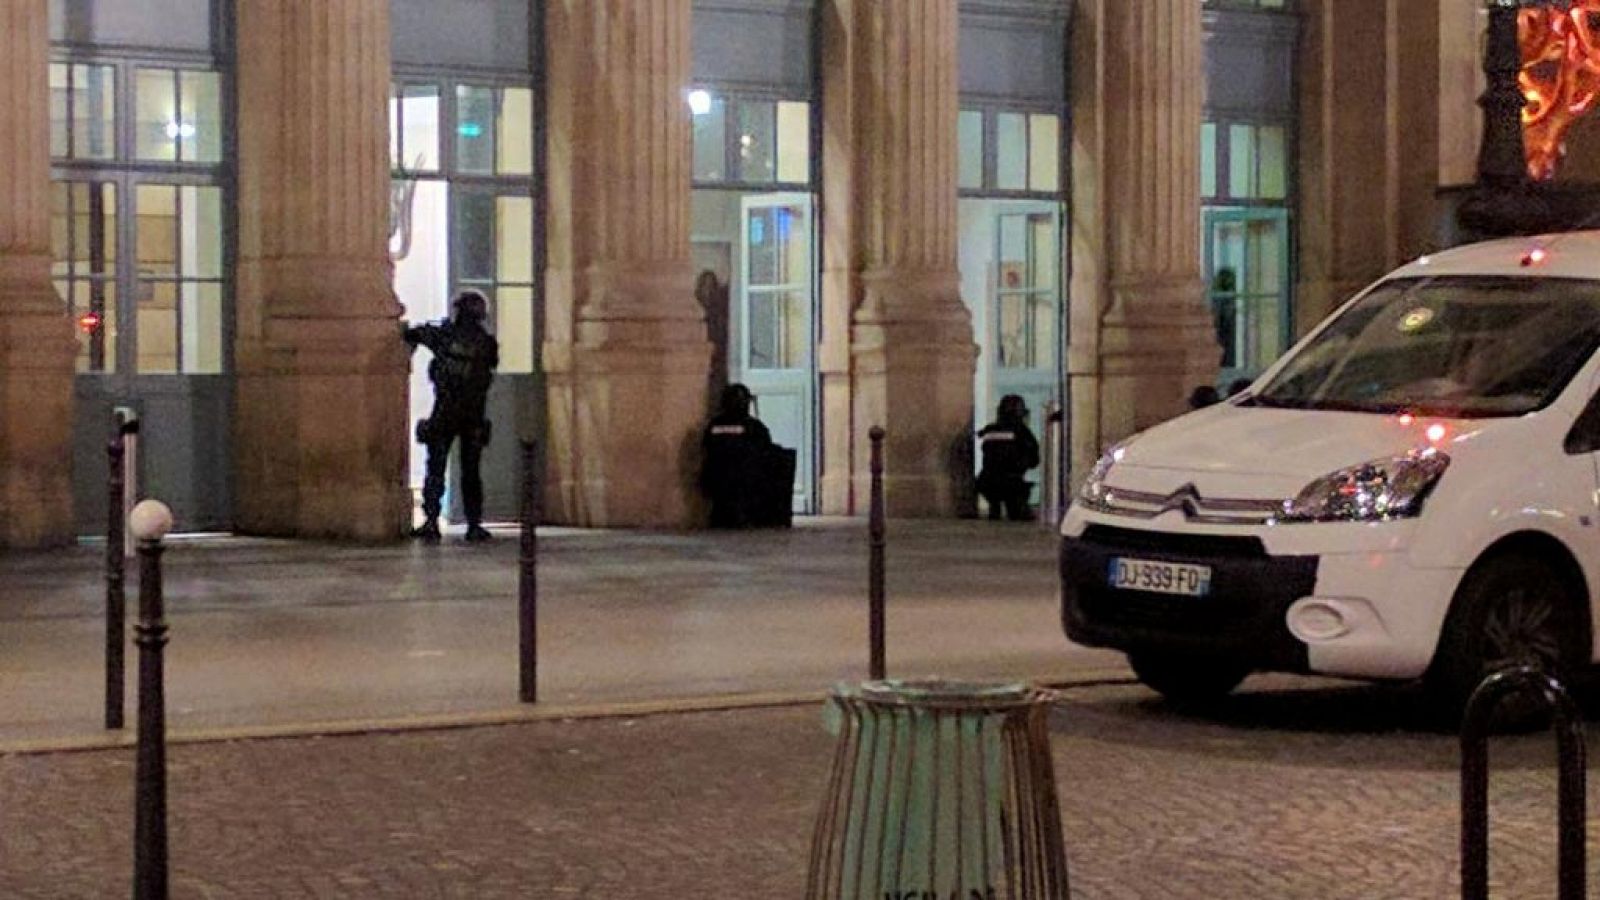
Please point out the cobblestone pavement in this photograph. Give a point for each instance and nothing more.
(1315, 792)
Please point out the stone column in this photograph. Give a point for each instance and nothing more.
(625, 355)
(36, 339)
(897, 340)
(1142, 335)
(1369, 145)
(321, 411)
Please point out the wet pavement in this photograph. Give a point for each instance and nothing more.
(1294, 789)
(270, 635)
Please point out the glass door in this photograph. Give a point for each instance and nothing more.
(1247, 270)
(773, 322)
(139, 261)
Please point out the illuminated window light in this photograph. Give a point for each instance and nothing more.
(176, 129)
(700, 102)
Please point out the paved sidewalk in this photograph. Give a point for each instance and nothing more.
(271, 634)
(1315, 793)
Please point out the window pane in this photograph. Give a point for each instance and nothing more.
(1043, 254)
(762, 247)
(419, 137)
(1042, 331)
(158, 327)
(394, 127)
(792, 240)
(1013, 331)
(513, 327)
(757, 142)
(201, 321)
(778, 333)
(1241, 161)
(474, 226)
(514, 237)
(1208, 159)
(711, 142)
(1044, 153)
(84, 228)
(970, 127)
(1011, 145)
(794, 142)
(200, 130)
(60, 86)
(516, 132)
(475, 121)
(1274, 163)
(94, 314)
(1013, 260)
(94, 112)
(200, 232)
(156, 223)
(156, 122)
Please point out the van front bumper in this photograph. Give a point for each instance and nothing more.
(1243, 619)
(1337, 600)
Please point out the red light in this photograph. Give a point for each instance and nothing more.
(89, 322)
(1436, 432)
(1407, 418)
(1535, 256)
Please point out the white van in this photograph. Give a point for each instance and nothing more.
(1412, 491)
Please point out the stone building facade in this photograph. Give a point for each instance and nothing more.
(875, 212)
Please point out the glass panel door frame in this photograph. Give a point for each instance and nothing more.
(798, 382)
(1243, 348)
(1039, 384)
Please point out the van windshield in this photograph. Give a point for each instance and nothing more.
(1464, 346)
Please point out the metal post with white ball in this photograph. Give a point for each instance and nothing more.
(149, 523)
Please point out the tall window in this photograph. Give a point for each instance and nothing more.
(463, 156)
(746, 141)
(137, 214)
(1245, 184)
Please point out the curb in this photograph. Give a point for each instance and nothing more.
(518, 715)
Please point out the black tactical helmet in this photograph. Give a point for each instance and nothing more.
(472, 306)
(1012, 406)
(736, 400)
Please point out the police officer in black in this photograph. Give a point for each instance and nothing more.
(1009, 451)
(734, 444)
(465, 356)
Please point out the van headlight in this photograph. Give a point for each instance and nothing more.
(1390, 488)
(1094, 490)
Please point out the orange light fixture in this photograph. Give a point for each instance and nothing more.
(1560, 77)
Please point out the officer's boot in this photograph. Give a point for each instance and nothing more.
(428, 531)
(477, 534)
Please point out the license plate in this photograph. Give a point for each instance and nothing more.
(1159, 577)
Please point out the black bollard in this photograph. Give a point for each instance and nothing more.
(1572, 827)
(116, 584)
(150, 522)
(875, 562)
(528, 577)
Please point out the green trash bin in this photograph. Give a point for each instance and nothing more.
(939, 791)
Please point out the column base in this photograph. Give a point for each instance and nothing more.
(321, 434)
(36, 399)
(625, 422)
(1157, 345)
(914, 362)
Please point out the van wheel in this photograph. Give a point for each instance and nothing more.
(1186, 679)
(1512, 609)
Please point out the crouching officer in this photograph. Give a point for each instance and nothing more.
(1009, 451)
(465, 356)
(736, 445)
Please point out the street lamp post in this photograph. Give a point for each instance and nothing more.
(1505, 201)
